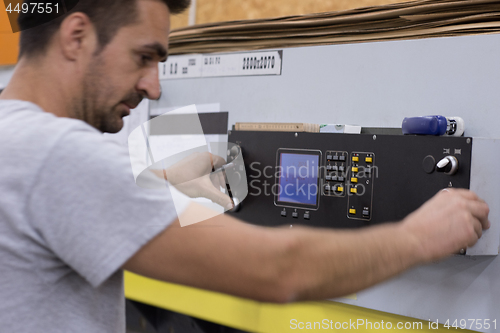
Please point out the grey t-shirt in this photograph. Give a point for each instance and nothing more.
(70, 216)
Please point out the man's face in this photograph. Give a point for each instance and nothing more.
(126, 70)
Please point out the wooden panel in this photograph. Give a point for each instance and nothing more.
(179, 20)
(8, 40)
(229, 10)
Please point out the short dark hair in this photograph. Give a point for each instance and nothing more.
(108, 16)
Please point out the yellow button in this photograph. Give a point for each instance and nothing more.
(354, 190)
(340, 189)
(352, 211)
(354, 180)
(355, 158)
(354, 169)
(368, 159)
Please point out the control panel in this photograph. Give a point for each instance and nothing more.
(345, 180)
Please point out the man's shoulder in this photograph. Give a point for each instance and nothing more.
(28, 116)
(27, 125)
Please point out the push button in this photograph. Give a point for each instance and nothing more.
(354, 190)
(335, 168)
(354, 180)
(352, 211)
(339, 189)
(354, 169)
(328, 167)
(341, 168)
(335, 157)
(283, 213)
(328, 177)
(369, 159)
(329, 157)
(341, 179)
(295, 215)
(327, 187)
(334, 178)
(366, 212)
(355, 159)
(306, 216)
(342, 157)
(429, 164)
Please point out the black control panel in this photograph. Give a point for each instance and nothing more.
(345, 180)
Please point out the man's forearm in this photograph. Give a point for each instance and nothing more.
(275, 264)
(282, 264)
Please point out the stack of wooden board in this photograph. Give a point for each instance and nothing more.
(278, 127)
(409, 20)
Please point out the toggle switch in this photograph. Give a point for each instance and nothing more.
(448, 165)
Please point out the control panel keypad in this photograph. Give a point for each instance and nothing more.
(360, 185)
(335, 173)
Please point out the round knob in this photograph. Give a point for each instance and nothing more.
(448, 165)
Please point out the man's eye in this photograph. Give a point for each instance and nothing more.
(145, 59)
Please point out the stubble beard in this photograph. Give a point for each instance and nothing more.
(92, 108)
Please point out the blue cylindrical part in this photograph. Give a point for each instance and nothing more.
(427, 125)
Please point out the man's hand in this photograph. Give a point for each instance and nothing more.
(452, 220)
(193, 176)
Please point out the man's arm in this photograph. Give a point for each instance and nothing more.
(282, 264)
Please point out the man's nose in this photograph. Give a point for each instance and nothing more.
(149, 84)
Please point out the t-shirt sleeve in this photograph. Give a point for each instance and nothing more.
(89, 211)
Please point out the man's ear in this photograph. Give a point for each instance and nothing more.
(77, 36)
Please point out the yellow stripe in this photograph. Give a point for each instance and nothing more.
(255, 316)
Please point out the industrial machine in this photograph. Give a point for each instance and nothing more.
(346, 180)
(375, 85)
(353, 180)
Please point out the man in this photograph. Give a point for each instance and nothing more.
(71, 216)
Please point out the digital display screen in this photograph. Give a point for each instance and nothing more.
(298, 178)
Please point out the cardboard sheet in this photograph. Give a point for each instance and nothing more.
(409, 20)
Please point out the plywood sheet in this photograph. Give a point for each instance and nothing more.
(229, 10)
(179, 20)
